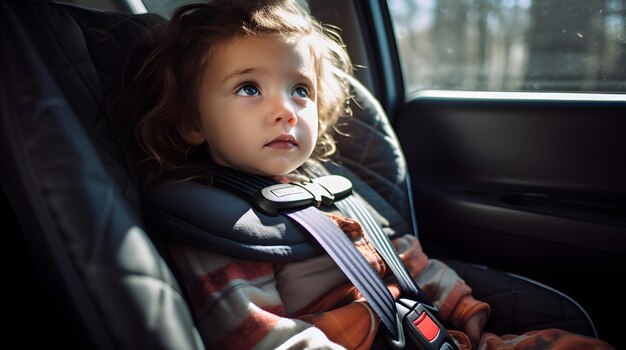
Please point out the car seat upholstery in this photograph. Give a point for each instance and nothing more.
(63, 176)
(66, 178)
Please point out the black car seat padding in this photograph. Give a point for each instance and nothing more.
(85, 233)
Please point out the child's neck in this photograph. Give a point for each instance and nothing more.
(294, 176)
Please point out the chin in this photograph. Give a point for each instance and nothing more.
(280, 169)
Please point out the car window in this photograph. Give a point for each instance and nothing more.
(511, 45)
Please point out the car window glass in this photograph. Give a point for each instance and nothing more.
(511, 45)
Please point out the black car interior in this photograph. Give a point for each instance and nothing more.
(83, 270)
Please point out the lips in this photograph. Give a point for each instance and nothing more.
(283, 142)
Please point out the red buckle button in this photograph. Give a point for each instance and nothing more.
(427, 327)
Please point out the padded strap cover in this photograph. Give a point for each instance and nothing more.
(215, 219)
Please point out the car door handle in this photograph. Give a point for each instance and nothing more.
(611, 212)
(528, 199)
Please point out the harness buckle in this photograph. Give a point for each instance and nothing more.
(320, 191)
(321, 196)
(419, 328)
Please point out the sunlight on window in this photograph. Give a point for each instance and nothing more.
(511, 45)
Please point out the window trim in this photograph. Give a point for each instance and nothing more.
(385, 59)
(516, 96)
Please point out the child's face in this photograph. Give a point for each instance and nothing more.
(258, 104)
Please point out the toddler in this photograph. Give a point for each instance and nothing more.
(257, 86)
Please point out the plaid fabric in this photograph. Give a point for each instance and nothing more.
(240, 304)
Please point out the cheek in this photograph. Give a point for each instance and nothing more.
(309, 114)
(313, 122)
(215, 112)
(308, 120)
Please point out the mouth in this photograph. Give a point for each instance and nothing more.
(283, 142)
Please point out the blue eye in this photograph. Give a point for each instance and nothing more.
(248, 90)
(301, 92)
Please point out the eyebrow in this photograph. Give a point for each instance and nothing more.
(298, 74)
(309, 78)
(240, 72)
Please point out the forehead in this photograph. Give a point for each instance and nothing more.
(269, 52)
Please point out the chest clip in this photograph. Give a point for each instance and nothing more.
(322, 191)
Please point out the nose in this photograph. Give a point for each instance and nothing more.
(283, 110)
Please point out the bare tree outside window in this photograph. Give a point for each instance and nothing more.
(512, 45)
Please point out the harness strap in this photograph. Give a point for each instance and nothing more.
(412, 315)
(333, 240)
(350, 207)
(351, 262)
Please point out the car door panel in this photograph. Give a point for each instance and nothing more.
(531, 185)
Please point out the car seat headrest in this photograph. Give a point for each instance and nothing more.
(368, 146)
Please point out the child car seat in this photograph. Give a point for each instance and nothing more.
(66, 179)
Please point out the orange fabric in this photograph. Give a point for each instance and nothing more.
(338, 296)
(465, 309)
(353, 326)
(461, 340)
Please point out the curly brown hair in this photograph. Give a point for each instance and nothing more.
(168, 79)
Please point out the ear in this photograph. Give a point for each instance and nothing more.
(191, 131)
